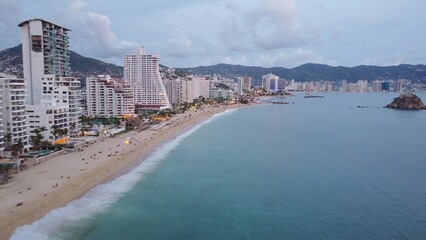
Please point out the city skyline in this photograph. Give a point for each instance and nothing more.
(259, 33)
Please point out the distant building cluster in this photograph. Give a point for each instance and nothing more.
(273, 84)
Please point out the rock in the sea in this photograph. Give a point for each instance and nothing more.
(407, 101)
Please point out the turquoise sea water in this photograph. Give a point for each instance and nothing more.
(320, 168)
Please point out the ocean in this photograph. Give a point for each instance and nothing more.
(338, 167)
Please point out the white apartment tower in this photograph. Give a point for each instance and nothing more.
(142, 71)
(44, 52)
(108, 97)
(202, 87)
(244, 85)
(273, 83)
(47, 72)
(13, 92)
(184, 91)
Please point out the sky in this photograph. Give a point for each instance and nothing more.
(267, 33)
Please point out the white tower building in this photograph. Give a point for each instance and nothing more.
(44, 52)
(142, 71)
(47, 72)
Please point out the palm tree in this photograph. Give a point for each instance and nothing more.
(64, 132)
(55, 132)
(73, 126)
(114, 120)
(37, 139)
(8, 140)
(106, 121)
(17, 150)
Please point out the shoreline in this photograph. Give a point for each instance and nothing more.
(64, 178)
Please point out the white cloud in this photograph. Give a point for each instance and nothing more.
(241, 60)
(274, 24)
(266, 24)
(9, 20)
(180, 45)
(92, 33)
(234, 36)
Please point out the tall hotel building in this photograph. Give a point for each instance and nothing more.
(47, 72)
(142, 71)
(44, 52)
(244, 85)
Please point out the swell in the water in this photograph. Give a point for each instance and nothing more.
(100, 198)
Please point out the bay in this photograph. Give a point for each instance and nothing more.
(321, 168)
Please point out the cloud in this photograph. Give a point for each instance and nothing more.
(266, 24)
(274, 24)
(9, 20)
(234, 37)
(92, 33)
(242, 60)
(180, 45)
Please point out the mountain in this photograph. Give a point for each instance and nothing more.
(318, 72)
(11, 63)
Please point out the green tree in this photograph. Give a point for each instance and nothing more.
(37, 139)
(106, 121)
(58, 132)
(8, 140)
(17, 151)
(115, 120)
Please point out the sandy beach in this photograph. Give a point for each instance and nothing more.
(55, 182)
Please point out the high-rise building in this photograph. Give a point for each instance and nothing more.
(185, 91)
(362, 85)
(385, 86)
(13, 92)
(399, 85)
(377, 86)
(44, 52)
(142, 71)
(180, 90)
(244, 85)
(270, 83)
(202, 87)
(344, 85)
(108, 97)
(47, 72)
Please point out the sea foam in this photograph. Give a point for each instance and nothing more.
(100, 198)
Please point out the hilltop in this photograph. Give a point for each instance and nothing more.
(11, 63)
(318, 72)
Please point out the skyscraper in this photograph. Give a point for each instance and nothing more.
(44, 52)
(142, 71)
(47, 74)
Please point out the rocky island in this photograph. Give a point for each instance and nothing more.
(407, 101)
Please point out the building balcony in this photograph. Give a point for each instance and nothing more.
(20, 132)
